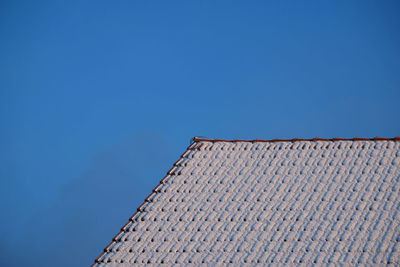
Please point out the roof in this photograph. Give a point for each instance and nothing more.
(240, 202)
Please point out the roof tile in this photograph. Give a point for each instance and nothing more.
(298, 201)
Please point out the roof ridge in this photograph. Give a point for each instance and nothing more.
(201, 139)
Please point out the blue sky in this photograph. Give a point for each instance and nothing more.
(99, 98)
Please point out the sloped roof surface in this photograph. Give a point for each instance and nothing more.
(275, 203)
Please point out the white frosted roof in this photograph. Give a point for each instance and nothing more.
(270, 203)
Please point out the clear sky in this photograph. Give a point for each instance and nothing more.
(99, 98)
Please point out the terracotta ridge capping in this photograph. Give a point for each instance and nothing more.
(197, 139)
(131, 219)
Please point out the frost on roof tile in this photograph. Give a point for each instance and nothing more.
(270, 203)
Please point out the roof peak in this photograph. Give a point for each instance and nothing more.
(205, 139)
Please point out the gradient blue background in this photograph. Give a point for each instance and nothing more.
(99, 98)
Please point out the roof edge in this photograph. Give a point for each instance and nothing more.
(139, 209)
(200, 139)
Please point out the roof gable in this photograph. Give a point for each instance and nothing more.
(270, 202)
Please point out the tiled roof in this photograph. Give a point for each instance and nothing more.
(273, 202)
